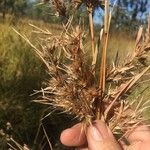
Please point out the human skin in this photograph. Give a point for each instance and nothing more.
(99, 137)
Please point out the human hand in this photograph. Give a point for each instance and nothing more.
(100, 137)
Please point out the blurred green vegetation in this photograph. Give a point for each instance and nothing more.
(20, 73)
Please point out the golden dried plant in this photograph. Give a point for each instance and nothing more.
(73, 86)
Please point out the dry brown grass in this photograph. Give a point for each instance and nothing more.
(74, 86)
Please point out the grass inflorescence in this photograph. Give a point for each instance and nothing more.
(94, 90)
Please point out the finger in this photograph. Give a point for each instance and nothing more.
(100, 137)
(144, 146)
(82, 148)
(141, 133)
(74, 136)
(139, 146)
(139, 138)
(123, 144)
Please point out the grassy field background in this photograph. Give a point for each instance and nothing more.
(21, 72)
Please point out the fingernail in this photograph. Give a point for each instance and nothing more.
(95, 133)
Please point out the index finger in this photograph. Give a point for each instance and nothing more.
(140, 134)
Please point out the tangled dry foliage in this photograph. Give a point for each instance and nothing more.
(74, 87)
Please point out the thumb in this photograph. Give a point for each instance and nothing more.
(99, 137)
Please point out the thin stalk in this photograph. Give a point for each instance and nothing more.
(90, 10)
(17, 144)
(104, 50)
(49, 143)
(103, 59)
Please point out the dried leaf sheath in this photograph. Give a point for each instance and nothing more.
(102, 74)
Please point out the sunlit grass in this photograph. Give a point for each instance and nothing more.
(21, 71)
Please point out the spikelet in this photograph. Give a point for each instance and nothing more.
(71, 86)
